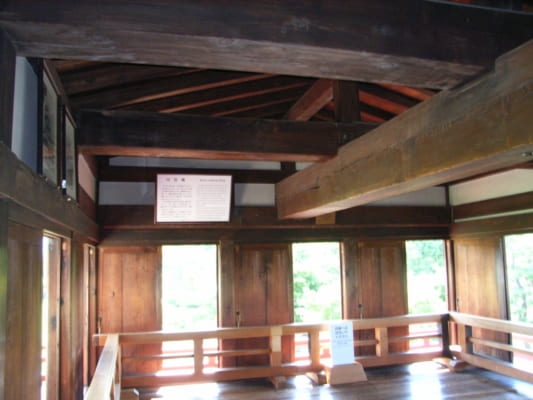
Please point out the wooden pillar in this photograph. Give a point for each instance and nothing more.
(3, 290)
(7, 72)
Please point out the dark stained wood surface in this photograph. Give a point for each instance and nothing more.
(422, 381)
(424, 43)
(3, 289)
(420, 150)
(124, 133)
(314, 99)
(517, 202)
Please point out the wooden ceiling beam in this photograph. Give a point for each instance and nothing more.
(127, 133)
(478, 127)
(411, 42)
(159, 88)
(415, 93)
(313, 100)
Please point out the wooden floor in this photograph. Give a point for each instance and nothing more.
(422, 381)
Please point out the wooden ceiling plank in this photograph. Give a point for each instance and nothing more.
(251, 103)
(416, 93)
(159, 88)
(127, 133)
(313, 100)
(478, 127)
(415, 43)
(222, 94)
(109, 75)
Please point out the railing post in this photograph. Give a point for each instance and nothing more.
(445, 335)
(382, 346)
(198, 356)
(314, 347)
(275, 346)
(465, 333)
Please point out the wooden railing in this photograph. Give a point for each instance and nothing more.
(108, 370)
(106, 380)
(275, 367)
(467, 341)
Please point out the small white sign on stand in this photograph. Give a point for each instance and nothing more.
(342, 350)
(343, 368)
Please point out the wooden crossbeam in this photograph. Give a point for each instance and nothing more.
(316, 97)
(127, 133)
(411, 42)
(475, 128)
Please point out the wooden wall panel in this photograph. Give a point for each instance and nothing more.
(375, 285)
(129, 297)
(264, 293)
(23, 344)
(480, 284)
(7, 89)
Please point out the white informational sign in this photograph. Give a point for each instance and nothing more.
(193, 198)
(342, 351)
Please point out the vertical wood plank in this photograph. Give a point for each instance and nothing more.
(198, 356)
(54, 301)
(226, 295)
(7, 88)
(382, 347)
(480, 286)
(314, 343)
(346, 97)
(23, 342)
(93, 312)
(4, 207)
(350, 285)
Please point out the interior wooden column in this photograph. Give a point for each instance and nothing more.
(4, 205)
(129, 297)
(480, 285)
(375, 285)
(24, 292)
(7, 88)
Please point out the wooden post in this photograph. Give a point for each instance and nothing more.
(314, 344)
(3, 290)
(7, 89)
(445, 332)
(382, 346)
(275, 346)
(198, 356)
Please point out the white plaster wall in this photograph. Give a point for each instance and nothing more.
(25, 113)
(493, 186)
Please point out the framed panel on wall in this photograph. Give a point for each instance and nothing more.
(50, 125)
(70, 160)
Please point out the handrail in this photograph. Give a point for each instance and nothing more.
(467, 339)
(274, 348)
(106, 381)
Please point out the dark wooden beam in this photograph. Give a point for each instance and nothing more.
(472, 129)
(313, 100)
(493, 227)
(7, 88)
(22, 186)
(346, 101)
(147, 174)
(412, 42)
(142, 217)
(517, 202)
(154, 89)
(130, 133)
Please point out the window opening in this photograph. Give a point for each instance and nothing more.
(426, 285)
(317, 290)
(519, 270)
(189, 299)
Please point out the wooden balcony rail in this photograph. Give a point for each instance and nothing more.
(106, 379)
(274, 349)
(468, 326)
